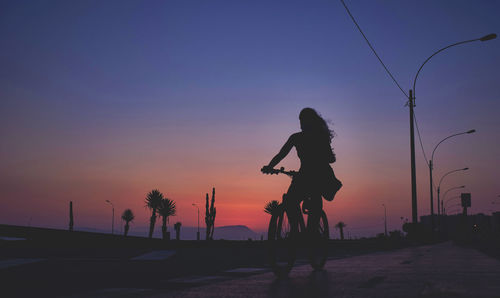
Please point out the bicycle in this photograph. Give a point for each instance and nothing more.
(283, 245)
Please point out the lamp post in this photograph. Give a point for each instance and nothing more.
(431, 165)
(439, 186)
(112, 217)
(411, 105)
(450, 199)
(456, 208)
(456, 211)
(385, 220)
(450, 189)
(439, 191)
(198, 233)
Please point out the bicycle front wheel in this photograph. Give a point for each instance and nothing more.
(281, 247)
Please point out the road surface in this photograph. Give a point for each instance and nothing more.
(441, 270)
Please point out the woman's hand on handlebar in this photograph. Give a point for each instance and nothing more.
(267, 169)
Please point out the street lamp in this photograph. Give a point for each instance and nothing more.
(440, 206)
(449, 200)
(385, 220)
(431, 163)
(411, 105)
(455, 209)
(458, 205)
(450, 189)
(439, 185)
(198, 233)
(112, 217)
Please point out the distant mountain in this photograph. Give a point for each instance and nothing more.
(238, 232)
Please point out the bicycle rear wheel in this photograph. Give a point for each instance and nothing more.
(281, 248)
(318, 250)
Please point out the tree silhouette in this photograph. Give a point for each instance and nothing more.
(272, 207)
(153, 201)
(341, 225)
(166, 209)
(177, 227)
(127, 216)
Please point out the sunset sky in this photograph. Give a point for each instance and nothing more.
(107, 100)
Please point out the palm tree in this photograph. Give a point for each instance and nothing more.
(153, 201)
(341, 225)
(272, 207)
(177, 227)
(166, 209)
(127, 216)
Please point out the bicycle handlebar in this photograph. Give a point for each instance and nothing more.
(280, 171)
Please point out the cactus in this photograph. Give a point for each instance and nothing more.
(70, 216)
(177, 227)
(210, 216)
(341, 225)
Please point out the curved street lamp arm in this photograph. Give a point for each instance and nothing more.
(447, 201)
(453, 135)
(452, 208)
(455, 211)
(484, 38)
(439, 185)
(437, 52)
(463, 186)
(456, 205)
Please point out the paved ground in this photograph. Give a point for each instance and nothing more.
(65, 267)
(442, 270)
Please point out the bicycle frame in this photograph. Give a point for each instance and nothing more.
(299, 212)
(300, 216)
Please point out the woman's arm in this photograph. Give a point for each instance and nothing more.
(283, 152)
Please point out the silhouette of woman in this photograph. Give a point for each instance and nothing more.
(315, 177)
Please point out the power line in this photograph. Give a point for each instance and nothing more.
(392, 77)
(371, 47)
(388, 72)
(422, 146)
(420, 139)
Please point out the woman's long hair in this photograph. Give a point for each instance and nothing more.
(311, 121)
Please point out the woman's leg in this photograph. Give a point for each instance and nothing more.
(291, 201)
(315, 208)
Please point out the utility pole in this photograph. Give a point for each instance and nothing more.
(197, 233)
(385, 220)
(112, 217)
(432, 197)
(411, 104)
